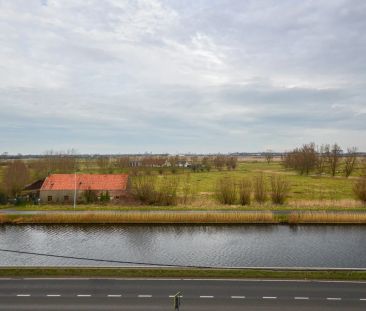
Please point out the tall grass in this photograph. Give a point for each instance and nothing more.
(326, 217)
(359, 189)
(144, 218)
(226, 191)
(280, 188)
(260, 189)
(245, 191)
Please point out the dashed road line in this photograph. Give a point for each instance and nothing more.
(238, 297)
(301, 298)
(53, 295)
(334, 298)
(172, 296)
(144, 296)
(23, 295)
(114, 296)
(84, 295)
(206, 296)
(363, 299)
(269, 297)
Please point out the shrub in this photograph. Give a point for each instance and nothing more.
(226, 190)
(260, 189)
(90, 196)
(144, 188)
(280, 188)
(167, 191)
(245, 191)
(359, 189)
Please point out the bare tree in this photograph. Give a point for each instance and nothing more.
(231, 163)
(219, 162)
(321, 160)
(15, 178)
(334, 155)
(103, 163)
(350, 160)
(301, 159)
(268, 155)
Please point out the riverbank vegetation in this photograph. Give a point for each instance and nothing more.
(183, 273)
(210, 218)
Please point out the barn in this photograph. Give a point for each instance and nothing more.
(61, 188)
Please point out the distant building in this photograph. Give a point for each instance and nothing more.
(61, 188)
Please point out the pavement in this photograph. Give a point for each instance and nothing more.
(156, 294)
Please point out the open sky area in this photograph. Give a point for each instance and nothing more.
(176, 76)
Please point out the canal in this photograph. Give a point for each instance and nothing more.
(227, 246)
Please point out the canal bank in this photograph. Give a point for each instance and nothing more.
(189, 217)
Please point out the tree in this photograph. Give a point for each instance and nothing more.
(103, 163)
(302, 159)
(231, 163)
(350, 160)
(320, 160)
(334, 155)
(219, 162)
(268, 155)
(15, 178)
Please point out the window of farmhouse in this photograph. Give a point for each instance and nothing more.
(66, 198)
(49, 198)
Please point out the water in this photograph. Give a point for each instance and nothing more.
(237, 246)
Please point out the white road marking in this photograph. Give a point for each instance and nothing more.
(269, 297)
(206, 296)
(334, 298)
(172, 296)
(84, 295)
(23, 295)
(144, 296)
(301, 298)
(52, 295)
(238, 297)
(363, 299)
(114, 296)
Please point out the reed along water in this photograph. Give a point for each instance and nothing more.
(333, 246)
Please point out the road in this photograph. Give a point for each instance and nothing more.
(213, 295)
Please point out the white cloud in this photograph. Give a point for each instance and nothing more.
(179, 76)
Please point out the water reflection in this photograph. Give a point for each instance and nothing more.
(249, 245)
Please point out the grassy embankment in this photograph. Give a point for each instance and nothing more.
(183, 273)
(186, 218)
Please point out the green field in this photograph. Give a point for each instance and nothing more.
(311, 191)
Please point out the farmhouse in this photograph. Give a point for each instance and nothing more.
(61, 188)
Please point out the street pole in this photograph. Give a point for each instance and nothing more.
(177, 298)
(74, 190)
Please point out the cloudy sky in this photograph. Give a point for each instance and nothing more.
(120, 76)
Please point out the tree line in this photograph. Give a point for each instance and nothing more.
(324, 159)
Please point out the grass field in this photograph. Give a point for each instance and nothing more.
(310, 192)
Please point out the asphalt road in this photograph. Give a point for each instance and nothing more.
(213, 295)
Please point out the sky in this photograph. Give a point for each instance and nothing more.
(172, 76)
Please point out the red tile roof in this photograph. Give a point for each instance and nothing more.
(86, 181)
